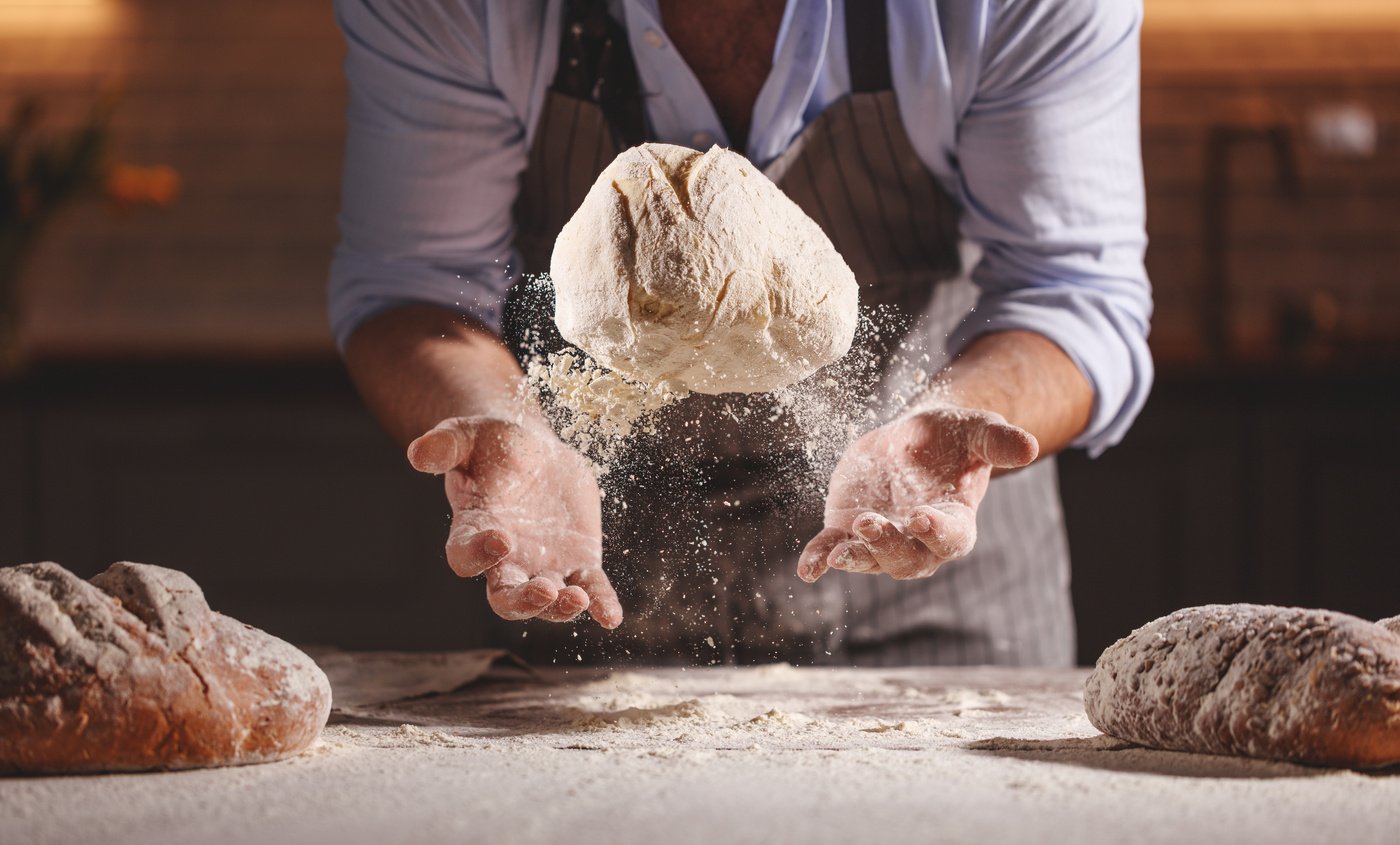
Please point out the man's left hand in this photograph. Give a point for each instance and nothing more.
(903, 498)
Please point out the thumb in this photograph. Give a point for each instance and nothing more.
(1003, 445)
(812, 565)
(447, 446)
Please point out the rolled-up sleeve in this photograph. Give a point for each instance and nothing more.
(1050, 166)
(432, 158)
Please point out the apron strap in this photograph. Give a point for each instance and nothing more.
(595, 65)
(868, 46)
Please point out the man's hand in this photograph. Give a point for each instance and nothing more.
(525, 511)
(903, 499)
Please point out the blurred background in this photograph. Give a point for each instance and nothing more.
(170, 393)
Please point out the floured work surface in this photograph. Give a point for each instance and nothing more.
(771, 754)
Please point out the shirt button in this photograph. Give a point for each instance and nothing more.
(654, 39)
(701, 140)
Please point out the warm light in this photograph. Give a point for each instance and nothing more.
(58, 17)
(1268, 14)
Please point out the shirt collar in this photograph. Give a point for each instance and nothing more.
(679, 110)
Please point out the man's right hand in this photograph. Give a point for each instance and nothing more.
(526, 511)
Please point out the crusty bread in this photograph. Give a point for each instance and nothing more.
(133, 671)
(1310, 686)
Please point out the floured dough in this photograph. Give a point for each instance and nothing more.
(133, 671)
(696, 270)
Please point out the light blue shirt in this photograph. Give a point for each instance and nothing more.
(1025, 110)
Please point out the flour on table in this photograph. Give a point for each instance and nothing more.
(772, 707)
(884, 728)
(502, 762)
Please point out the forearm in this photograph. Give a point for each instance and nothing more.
(1024, 377)
(418, 365)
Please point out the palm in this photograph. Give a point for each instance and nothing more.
(895, 469)
(525, 511)
(538, 492)
(903, 499)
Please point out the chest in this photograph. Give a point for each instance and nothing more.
(728, 45)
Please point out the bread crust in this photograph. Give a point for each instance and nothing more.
(1281, 683)
(133, 671)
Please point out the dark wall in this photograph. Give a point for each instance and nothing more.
(246, 101)
(270, 486)
(1255, 487)
(1272, 155)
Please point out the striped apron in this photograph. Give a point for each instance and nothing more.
(704, 524)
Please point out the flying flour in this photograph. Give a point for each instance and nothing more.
(690, 276)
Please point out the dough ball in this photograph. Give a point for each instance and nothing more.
(695, 269)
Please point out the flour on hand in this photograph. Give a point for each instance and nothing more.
(696, 271)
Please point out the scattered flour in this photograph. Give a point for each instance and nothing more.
(778, 706)
(884, 728)
(605, 415)
(413, 735)
(739, 762)
(594, 409)
(774, 717)
(634, 715)
(967, 699)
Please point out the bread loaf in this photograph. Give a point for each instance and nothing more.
(133, 671)
(1310, 686)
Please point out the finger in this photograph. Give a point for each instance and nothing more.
(471, 552)
(853, 556)
(812, 564)
(571, 602)
(1004, 445)
(515, 595)
(896, 553)
(603, 605)
(447, 445)
(948, 529)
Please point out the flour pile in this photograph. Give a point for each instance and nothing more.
(777, 705)
(695, 270)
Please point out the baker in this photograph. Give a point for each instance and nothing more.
(908, 131)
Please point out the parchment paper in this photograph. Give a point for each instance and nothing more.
(364, 679)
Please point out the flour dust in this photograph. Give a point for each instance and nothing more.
(708, 500)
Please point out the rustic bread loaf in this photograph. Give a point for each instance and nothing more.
(1310, 686)
(134, 671)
